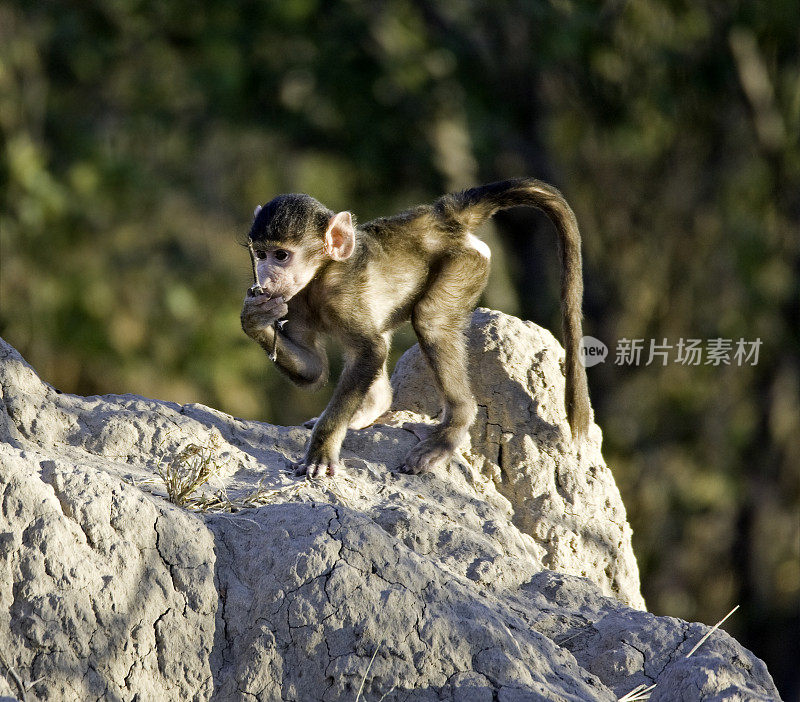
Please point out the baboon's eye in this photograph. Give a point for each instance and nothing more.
(281, 255)
(260, 254)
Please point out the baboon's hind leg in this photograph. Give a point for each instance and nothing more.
(439, 320)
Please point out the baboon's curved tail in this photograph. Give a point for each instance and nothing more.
(471, 207)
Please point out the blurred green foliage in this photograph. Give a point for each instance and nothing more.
(138, 136)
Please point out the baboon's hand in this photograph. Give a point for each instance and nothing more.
(260, 311)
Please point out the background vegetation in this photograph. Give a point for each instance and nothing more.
(138, 135)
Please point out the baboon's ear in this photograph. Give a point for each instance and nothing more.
(340, 237)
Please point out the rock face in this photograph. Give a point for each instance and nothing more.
(563, 501)
(507, 575)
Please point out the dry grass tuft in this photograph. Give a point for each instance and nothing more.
(196, 464)
(192, 468)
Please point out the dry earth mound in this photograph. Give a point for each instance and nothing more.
(508, 575)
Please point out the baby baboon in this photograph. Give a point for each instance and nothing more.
(358, 283)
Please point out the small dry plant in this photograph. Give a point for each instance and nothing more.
(197, 463)
(192, 468)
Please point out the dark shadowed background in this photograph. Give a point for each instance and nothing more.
(138, 136)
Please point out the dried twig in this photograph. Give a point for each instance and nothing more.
(16, 678)
(711, 631)
(366, 673)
